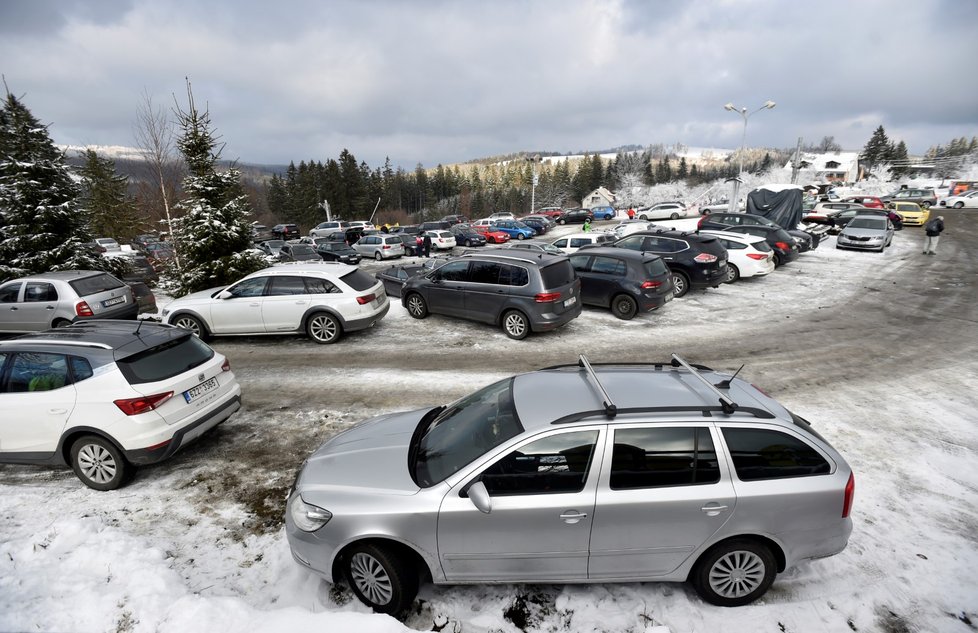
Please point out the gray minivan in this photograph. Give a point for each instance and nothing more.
(521, 293)
(39, 302)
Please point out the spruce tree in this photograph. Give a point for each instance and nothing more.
(213, 236)
(42, 225)
(111, 210)
(877, 148)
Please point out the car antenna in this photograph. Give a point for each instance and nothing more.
(725, 384)
(139, 325)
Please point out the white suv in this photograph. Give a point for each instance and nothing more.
(323, 300)
(104, 396)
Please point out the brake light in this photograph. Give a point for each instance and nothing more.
(365, 299)
(651, 284)
(782, 245)
(546, 297)
(705, 258)
(135, 406)
(757, 256)
(226, 365)
(82, 309)
(386, 246)
(850, 494)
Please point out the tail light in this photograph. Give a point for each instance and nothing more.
(651, 284)
(82, 309)
(365, 299)
(705, 258)
(850, 493)
(135, 406)
(386, 246)
(758, 256)
(782, 245)
(226, 365)
(546, 297)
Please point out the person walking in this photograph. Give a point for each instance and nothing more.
(587, 224)
(933, 230)
(427, 244)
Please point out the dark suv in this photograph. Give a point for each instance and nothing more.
(575, 215)
(721, 221)
(521, 293)
(285, 231)
(623, 280)
(924, 197)
(696, 261)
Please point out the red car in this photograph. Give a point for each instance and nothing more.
(870, 202)
(551, 212)
(492, 235)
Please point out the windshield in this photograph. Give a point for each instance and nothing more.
(867, 223)
(463, 431)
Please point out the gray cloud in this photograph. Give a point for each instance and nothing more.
(438, 82)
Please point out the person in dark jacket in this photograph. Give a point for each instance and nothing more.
(933, 229)
(427, 244)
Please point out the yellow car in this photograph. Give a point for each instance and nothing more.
(912, 213)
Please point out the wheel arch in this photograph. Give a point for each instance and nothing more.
(310, 312)
(188, 312)
(773, 546)
(69, 437)
(401, 549)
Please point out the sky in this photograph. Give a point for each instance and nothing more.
(440, 82)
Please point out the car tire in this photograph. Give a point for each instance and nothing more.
(734, 573)
(643, 217)
(324, 328)
(380, 579)
(416, 306)
(624, 307)
(778, 259)
(958, 205)
(674, 216)
(924, 205)
(516, 325)
(468, 243)
(520, 236)
(98, 463)
(733, 274)
(61, 323)
(680, 283)
(378, 256)
(192, 323)
(561, 222)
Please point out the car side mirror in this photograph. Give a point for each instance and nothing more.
(479, 497)
(224, 294)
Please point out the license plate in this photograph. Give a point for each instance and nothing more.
(114, 302)
(570, 302)
(208, 385)
(669, 297)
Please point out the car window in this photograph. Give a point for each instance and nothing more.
(656, 267)
(513, 275)
(579, 262)
(165, 361)
(249, 287)
(868, 223)
(81, 369)
(634, 242)
(359, 280)
(38, 291)
(37, 371)
(555, 464)
(558, 274)
(763, 454)
(279, 286)
(657, 457)
(562, 243)
(608, 266)
(95, 284)
(731, 245)
(484, 272)
(453, 271)
(577, 242)
(10, 292)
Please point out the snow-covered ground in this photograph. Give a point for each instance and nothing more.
(177, 551)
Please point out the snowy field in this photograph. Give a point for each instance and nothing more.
(179, 551)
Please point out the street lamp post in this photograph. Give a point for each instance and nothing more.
(533, 185)
(735, 196)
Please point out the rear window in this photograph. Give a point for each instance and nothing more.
(557, 274)
(762, 454)
(359, 280)
(655, 267)
(165, 361)
(95, 284)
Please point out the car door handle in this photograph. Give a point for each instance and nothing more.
(254, 305)
(572, 516)
(57, 411)
(13, 308)
(49, 307)
(713, 509)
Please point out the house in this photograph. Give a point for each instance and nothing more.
(831, 166)
(600, 197)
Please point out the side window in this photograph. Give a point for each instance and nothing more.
(608, 266)
(577, 242)
(484, 273)
(36, 371)
(40, 291)
(81, 369)
(730, 245)
(453, 271)
(316, 286)
(554, 464)
(10, 292)
(283, 286)
(562, 243)
(249, 288)
(513, 275)
(761, 454)
(657, 457)
(632, 243)
(579, 262)
(732, 220)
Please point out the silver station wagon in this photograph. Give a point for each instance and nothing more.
(577, 473)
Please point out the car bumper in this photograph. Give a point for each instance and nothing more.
(186, 434)
(648, 302)
(547, 321)
(710, 278)
(874, 245)
(362, 323)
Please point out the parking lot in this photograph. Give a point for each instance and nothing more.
(877, 350)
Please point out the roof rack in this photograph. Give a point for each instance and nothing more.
(610, 409)
(500, 255)
(706, 411)
(728, 405)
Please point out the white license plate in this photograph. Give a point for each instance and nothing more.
(570, 302)
(669, 297)
(113, 302)
(208, 385)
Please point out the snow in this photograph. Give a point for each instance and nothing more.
(167, 554)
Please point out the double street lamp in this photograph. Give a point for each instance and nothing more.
(534, 161)
(734, 198)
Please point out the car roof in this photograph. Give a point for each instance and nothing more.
(745, 238)
(64, 275)
(507, 254)
(304, 268)
(677, 234)
(633, 387)
(121, 338)
(623, 253)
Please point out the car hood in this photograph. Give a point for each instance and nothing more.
(371, 455)
(204, 296)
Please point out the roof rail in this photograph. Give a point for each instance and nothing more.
(500, 255)
(728, 405)
(50, 341)
(610, 409)
(707, 412)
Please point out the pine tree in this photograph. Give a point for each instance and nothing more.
(683, 169)
(111, 210)
(877, 148)
(213, 236)
(41, 223)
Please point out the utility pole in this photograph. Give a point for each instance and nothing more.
(796, 161)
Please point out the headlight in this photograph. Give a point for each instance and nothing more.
(306, 516)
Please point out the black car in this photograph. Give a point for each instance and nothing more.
(579, 216)
(466, 236)
(455, 219)
(537, 224)
(625, 281)
(410, 242)
(394, 277)
(785, 248)
(333, 251)
(285, 231)
(721, 221)
(298, 253)
(696, 261)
